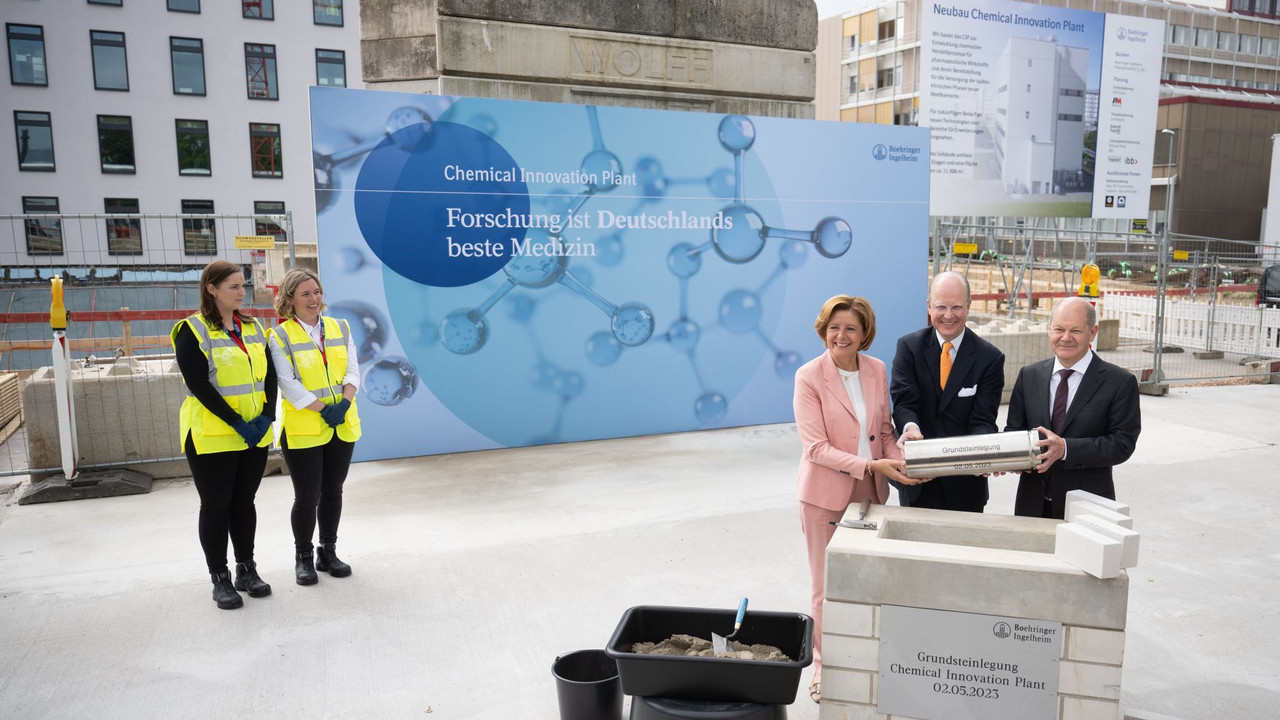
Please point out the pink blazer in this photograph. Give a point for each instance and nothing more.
(829, 464)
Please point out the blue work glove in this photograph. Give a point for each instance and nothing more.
(263, 423)
(335, 414)
(249, 432)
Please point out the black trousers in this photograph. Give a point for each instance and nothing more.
(318, 474)
(227, 483)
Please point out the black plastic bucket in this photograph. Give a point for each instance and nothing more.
(587, 686)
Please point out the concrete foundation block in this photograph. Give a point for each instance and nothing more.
(87, 485)
(1074, 708)
(1107, 503)
(849, 619)
(1128, 539)
(1108, 334)
(1095, 646)
(847, 685)
(1084, 507)
(1094, 681)
(850, 653)
(1090, 551)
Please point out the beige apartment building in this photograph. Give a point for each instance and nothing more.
(1219, 93)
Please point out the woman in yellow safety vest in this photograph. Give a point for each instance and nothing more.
(319, 377)
(225, 424)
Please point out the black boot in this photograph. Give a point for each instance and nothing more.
(247, 580)
(305, 570)
(327, 560)
(223, 594)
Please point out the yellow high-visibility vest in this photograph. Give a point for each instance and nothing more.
(306, 428)
(238, 375)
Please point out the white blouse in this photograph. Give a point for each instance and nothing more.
(853, 386)
(290, 387)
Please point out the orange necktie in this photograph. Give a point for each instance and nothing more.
(944, 365)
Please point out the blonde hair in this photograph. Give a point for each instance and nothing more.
(289, 286)
(861, 309)
(214, 274)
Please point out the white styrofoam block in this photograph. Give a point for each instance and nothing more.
(844, 618)
(846, 685)
(1095, 645)
(1088, 679)
(1074, 708)
(849, 652)
(1084, 507)
(1107, 503)
(1128, 538)
(1090, 551)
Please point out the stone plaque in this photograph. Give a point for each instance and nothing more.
(938, 665)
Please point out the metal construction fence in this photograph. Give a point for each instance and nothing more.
(127, 279)
(122, 306)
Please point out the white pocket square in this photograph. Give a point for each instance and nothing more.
(968, 392)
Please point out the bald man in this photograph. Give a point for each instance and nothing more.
(964, 402)
(1085, 408)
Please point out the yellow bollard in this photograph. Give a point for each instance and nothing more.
(57, 311)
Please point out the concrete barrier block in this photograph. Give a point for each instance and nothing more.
(853, 619)
(1128, 538)
(846, 685)
(1090, 551)
(850, 653)
(1094, 645)
(1107, 503)
(1076, 508)
(1093, 681)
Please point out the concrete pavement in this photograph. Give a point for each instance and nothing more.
(473, 571)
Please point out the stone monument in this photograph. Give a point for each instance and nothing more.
(753, 57)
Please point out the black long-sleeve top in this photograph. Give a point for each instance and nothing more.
(194, 367)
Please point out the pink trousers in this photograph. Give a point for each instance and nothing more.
(818, 530)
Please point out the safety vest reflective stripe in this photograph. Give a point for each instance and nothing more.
(243, 384)
(321, 375)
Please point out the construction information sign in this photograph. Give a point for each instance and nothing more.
(939, 665)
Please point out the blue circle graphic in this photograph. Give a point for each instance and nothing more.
(435, 203)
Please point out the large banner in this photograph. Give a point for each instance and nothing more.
(1039, 111)
(520, 273)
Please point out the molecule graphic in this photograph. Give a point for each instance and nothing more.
(631, 324)
(326, 164)
(464, 331)
(388, 379)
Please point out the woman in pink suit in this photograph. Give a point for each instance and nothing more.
(846, 425)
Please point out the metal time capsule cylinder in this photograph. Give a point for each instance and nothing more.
(972, 454)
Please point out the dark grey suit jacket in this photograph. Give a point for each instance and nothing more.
(978, 373)
(1101, 430)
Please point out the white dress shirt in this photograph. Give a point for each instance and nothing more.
(290, 387)
(955, 350)
(853, 386)
(1073, 383)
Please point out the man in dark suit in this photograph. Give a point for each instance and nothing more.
(946, 382)
(1085, 408)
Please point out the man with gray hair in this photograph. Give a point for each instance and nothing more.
(1086, 411)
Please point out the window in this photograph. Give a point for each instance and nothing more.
(34, 133)
(853, 42)
(266, 226)
(1068, 117)
(107, 2)
(258, 9)
(44, 235)
(1205, 38)
(328, 12)
(260, 71)
(193, 148)
(199, 237)
(1181, 35)
(264, 150)
(853, 84)
(187, 6)
(331, 68)
(1071, 92)
(110, 64)
(1227, 41)
(124, 235)
(115, 144)
(187, 59)
(26, 55)
(1249, 44)
(886, 30)
(1269, 47)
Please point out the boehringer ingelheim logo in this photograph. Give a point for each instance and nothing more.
(1001, 630)
(1121, 33)
(879, 152)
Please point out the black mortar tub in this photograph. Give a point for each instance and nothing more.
(712, 678)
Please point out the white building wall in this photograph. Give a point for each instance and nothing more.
(74, 104)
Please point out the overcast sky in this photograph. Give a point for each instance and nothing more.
(827, 8)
